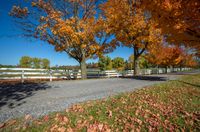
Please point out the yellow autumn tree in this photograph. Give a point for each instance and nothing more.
(131, 26)
(70, 26)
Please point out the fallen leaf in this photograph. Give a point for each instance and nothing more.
(38, 122)
(79, 121)
(137, 112)
(61, 129)
(46, 118)
(11, 122)
(91, 118)
(28, 117)
(2, 125)
(100, 126)
(65, 119)
(69, 129)
(54, 128)
(109, 113)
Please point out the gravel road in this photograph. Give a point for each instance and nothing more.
(38, 99)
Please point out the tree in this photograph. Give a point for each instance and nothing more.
(45, 63)
(127, 65)
(105, 63)
(69, 25)
(132, 27)
(166, 55)
(36, 63)
(26, 62)
(92, 65)
(118, 63)
(178, 19)
(143, 62)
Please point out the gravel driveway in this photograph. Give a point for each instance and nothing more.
(39, 99)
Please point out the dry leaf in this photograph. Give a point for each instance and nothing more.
(109, 113)
(28, 117)
(65, 119)
(46, 118)
(2, 125)
(61, 129)
(100, 126)
(11, 122)
(69, 129)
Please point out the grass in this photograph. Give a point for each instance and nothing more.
(171, 106)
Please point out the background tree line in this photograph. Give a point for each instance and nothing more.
(120, 64)
(172, 58)
(29, 62)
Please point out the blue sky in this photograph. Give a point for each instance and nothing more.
(13, 47)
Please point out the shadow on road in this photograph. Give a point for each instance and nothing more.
(12, 95)
(148, 78)
(194, 85)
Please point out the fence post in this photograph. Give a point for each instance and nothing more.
(50, 75)
(98, 74)
(117, 74)
(22, 77)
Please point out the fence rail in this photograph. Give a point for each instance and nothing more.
(28, 73)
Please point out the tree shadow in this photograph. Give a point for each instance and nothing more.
(194, 85)
(13, 95)
(147, 78)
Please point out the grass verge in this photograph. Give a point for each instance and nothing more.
(171, 106)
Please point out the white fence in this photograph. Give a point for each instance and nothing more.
(154, 71)
(29, 73)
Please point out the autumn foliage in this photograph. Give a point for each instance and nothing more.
(165, 55)
(90, 28)
(180, 19)
(73, 30)
(131, 26)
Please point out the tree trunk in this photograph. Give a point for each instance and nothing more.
(83, 69)
(166, 69)
(136, 66)
(136, 62)
(83, 65)
(171, 69)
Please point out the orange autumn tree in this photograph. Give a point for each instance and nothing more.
(71, 26)
(188, 58)
(165, 55)
(131, 26)
(179, 19)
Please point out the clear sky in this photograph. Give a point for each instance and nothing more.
(13, 47)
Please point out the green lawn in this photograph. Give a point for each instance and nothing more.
(171, 106)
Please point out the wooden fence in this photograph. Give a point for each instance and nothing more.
(29, 73)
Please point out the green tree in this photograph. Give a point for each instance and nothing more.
(45, 63)
(118, 63)
(105, 63)
(36, 62)
(127, 65)
(25, 62)
(143, 63)
(131, 62)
